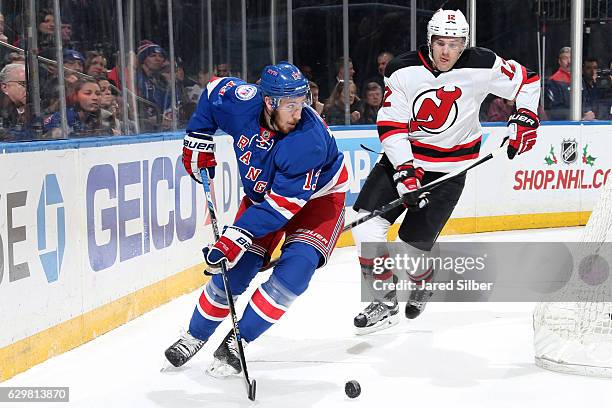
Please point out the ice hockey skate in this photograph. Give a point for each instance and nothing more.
(417, 300)
(375, 317)
(227, 359)
(183, 349)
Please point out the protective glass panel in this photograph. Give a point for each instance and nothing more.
(377, 32)
(597, 61)
(317, 50)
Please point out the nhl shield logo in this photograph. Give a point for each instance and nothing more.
(569, 151)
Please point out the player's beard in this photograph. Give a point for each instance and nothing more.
(269, 119)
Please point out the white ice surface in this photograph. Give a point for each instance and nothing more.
(454, 355)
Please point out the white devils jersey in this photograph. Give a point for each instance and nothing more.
(431, 117)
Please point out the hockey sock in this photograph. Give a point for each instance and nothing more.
(272, 299)
(377, 279)
(212, 305)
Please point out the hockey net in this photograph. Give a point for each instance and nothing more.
(576, 336)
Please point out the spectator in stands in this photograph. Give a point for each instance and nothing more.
(151, 85)
(557, 90)
(306, 71)
(316, 105)
(181, 92)
(333, 112)
(222, 69)
(373, 99)
(14, 115)
(83, 115)
(328, 86)
(194, 92)
(591, 94)
(109, 108)
(73, 64)
(500, 110)
(113, 74)
(67, 34)
(557, 87)
(14, 58)
(46, 29)
(339, 65)
(381, 62)
(604, 83)
(95, 64)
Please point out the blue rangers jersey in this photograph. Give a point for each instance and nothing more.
(279, 172)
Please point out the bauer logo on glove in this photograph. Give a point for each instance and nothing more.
(229, 247)
(408, 180)
(199, 153)
(522, 132)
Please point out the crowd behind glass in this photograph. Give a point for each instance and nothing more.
(95, 96)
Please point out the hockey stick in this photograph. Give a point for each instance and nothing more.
(251, 385)
(400, 201)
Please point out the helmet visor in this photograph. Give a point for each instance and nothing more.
(294, 103)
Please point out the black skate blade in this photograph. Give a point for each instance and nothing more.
(252, 390)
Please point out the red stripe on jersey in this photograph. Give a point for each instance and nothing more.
(266, 307)
(343, 176)
(392, 124)
(445, 159)
(281, 201)
(424, 61)
(210, 309)
(391, 133)
(524, 73)
(533, 79)
(447, 149)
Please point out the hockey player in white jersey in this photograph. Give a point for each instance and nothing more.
(428, 126)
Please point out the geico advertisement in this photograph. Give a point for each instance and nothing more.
(83, 227)
(86, 226)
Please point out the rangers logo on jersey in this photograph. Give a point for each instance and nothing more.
(246, 92)
(435, 110)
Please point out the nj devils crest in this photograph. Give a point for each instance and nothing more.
(435, 110)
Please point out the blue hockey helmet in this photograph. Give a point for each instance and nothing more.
(283, 80)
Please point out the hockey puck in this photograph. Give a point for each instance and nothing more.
(352, 389)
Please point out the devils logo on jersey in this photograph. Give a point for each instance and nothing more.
(435, 110)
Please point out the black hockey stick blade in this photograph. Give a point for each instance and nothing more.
(400, 201)
(252, 390)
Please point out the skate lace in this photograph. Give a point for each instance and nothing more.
(419, 297)
(189, 345)
(375, 309)
(232, 346)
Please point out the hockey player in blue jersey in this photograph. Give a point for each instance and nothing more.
(294, 182)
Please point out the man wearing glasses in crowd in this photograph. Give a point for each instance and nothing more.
(13, 109)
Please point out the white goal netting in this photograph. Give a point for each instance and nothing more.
(574, 335)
